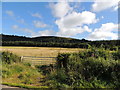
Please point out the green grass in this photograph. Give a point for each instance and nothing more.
(18, 73)
(23, 85)
(21, 73)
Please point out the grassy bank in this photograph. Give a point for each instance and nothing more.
(21, 75)
(16, 73)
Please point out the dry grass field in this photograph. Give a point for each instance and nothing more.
(39, 51)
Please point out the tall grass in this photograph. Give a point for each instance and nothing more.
(18, 73)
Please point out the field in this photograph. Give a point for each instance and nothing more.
(39, 51)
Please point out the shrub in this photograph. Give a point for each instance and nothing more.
(62, 60)
(115, 48)
(116, 55)
(8, 57)
(88, 65)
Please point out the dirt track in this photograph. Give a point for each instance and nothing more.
(9, 87)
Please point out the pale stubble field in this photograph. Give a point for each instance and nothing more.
(39, 51)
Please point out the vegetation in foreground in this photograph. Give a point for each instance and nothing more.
(95, 68)
(16, 73)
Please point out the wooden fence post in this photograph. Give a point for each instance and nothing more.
(21, 58)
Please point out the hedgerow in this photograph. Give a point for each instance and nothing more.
(95, 68)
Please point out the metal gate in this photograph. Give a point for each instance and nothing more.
(38, 60)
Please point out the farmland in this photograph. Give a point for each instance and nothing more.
(39, 51)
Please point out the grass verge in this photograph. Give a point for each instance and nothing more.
(23, 85)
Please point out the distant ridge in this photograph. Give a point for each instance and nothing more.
(41, 39)
(53, 41)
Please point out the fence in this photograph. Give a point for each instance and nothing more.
(39, 60)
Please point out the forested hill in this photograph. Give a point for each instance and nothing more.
(52, 41)
(41, 39)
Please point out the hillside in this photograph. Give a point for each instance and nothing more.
(53, 41)
(41, 39)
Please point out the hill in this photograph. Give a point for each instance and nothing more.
(41, 39)
(53, 41)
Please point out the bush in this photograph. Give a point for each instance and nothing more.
(62, 60)
(94, 52)
(115, 48)
(116, 55)
(96, 66)
(8, 57)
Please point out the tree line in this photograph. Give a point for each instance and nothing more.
(52, 41)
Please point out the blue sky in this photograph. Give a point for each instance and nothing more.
(77, 20)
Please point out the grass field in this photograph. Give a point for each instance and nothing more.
(39, 51)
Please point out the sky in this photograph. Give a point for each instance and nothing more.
(88, 20)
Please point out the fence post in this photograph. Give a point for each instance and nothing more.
(21, 58)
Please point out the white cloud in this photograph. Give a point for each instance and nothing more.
(16, 18)
(28, 31)
(73, 23)
(86, 28)
(10, 13)
(116, 8)
(69, 21)
(73, 31)
(102, 17)
(103, 5)
(77, 19)
(60, 9)
(36, 15)
(15, 26)
(106, 31)
(41, 33)
(32, 33)
(39, 24)
(46, 33)
(21, 21)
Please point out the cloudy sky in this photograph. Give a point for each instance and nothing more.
(89, 20)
